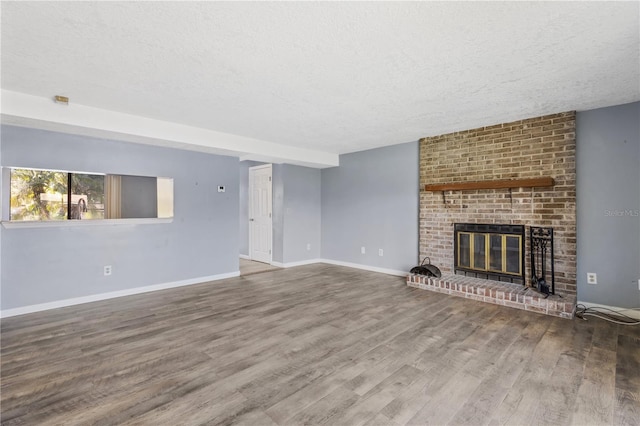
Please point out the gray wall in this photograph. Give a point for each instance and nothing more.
(139, 197)
(371, 200)
(2, 210)
(608, 202)
(47, 264)
(302, 213)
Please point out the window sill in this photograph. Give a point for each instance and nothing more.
(75, 223)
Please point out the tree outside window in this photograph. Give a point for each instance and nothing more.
(42, 195)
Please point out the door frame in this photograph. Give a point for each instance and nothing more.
(250, 209)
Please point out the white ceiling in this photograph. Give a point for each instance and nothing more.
(330, 77)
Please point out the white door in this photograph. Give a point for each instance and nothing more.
(260, 226)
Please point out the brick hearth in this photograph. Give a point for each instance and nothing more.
(499, 293)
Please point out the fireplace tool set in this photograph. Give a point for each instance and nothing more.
(541, 252)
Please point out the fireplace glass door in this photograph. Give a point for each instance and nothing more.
(484, 250)
(479, 251)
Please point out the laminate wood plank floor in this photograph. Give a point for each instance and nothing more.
(250, 267)
(316, 344)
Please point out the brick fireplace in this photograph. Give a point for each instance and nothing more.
(540, 152)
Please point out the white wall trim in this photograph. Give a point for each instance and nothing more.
(298, 263)
(111, 295)
(245, 256)
(89, 222)
(366, 267)
(387, 271)
(199, 280)
(628, 312)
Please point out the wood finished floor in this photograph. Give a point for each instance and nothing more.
(250, 267)
(316, 344)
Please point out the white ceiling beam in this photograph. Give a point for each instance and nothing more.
(43, 113)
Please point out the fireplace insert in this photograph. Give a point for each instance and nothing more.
(490, 251)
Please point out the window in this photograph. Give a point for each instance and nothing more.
(87, 196)
(47, 195)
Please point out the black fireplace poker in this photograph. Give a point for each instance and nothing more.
(541, 252)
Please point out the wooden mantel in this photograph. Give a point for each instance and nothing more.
(492, 184)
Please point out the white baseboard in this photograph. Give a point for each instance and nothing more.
(293, 264)
(244, 256)
(626, 311)
(111, 295)
(128, 292)
(341, 263)
(366, 267)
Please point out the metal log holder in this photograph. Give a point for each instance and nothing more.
(541, 252)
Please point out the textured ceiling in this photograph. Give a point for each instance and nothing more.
(328, 76)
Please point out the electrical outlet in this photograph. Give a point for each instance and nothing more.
(592, 278)
(308, 246)
(107, 270)
(380, 252)
(220, 188)
(362, 250)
